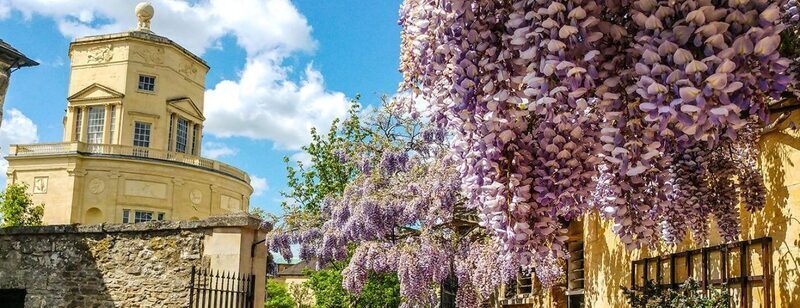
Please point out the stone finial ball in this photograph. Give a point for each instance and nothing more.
(144, 11)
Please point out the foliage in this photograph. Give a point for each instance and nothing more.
(687, 295)
(327, 286)
(278, 296)
(326, 176)
(380, 290)
(17, 209)
(263, 215)
(258, 212)
(301, 294)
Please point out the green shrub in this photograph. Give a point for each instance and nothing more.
(687, 295)
(278, 296)
(17, 209)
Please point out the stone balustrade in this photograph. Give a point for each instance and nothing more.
(117, 150)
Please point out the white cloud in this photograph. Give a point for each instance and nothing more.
(302, 157)
(4, 10)
(216, 150)
(264, 103)
(16, 129)
(259, 185)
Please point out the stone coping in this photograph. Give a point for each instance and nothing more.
(231, 220)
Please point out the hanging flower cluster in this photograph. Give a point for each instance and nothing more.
(538, 112)
(557, 107)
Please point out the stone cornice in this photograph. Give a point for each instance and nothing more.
(237, 220)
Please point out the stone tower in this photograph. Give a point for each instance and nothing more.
(132, 137)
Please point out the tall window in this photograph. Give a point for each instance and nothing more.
(126, 216)
(78, 122)
(147, 83)
(195, 133)
(96, 123)
(182, 135)
(169, 137)
(112, 128)
(141, 134)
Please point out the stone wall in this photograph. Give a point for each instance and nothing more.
(119, 265)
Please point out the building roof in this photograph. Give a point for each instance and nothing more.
(12, 55)
(297, 269)
(142, 35)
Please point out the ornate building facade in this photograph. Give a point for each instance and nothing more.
(133, 131)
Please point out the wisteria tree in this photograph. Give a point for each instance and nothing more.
(537, 112)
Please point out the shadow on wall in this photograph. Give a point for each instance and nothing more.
(55, 272)
(60, 266)
(607, 265)
(778, 219)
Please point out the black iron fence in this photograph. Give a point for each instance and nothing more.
(219, 289)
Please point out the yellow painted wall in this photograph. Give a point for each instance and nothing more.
(77, 184)
(608, 263)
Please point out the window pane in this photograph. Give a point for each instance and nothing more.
(141, 134)
(96, 123)
(169, 137)
(78, 121)
(160, 216)
(140, 216)
(113, 125)
(126, 216)
(147, 83)
(195, 133)
(182, 135)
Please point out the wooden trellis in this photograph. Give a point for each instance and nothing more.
(731, 263)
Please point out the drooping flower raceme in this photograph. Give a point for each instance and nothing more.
(546, 100)
(537, 112)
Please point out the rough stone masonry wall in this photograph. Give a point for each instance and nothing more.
(123, 265)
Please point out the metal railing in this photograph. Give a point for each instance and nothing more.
(210, 288)
(118, 150)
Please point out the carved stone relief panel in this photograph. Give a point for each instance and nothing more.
(40, 185)
(230, 203)
(188, 69)
(97, 186)
(154, 55)
(100, 54)
(196, 196)
(145, 189)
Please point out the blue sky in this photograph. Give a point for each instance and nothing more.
(277, 68)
